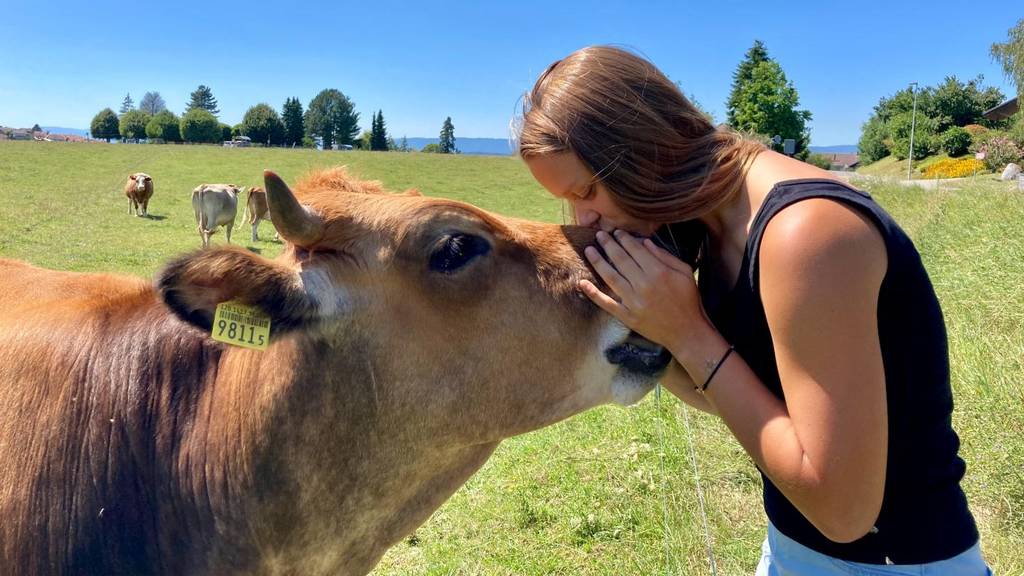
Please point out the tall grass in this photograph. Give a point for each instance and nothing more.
(600, 493)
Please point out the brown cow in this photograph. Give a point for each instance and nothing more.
(409, 336)
(256, 210)
(138, 189)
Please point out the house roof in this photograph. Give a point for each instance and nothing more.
(1003, 111)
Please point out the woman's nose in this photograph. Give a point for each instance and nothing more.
(586, 216)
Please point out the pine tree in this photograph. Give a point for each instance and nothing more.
(203, 99)
(742, 76)
(127, 104)
(447, 144)
(379, 134)
(291, 115)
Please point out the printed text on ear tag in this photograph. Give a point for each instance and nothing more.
(241, 325)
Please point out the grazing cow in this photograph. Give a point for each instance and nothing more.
(256, 210)
(138, 189)
(408, 337)
(215, 205)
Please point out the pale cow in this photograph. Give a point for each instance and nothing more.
(139, 189)
(408, 337)
(215, 205)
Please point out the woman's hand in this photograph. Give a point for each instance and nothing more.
(657, 294)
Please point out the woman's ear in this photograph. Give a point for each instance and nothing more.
(193, 285)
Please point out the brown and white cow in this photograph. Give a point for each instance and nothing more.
(409, 336)
(138, 189)
(215, 205)
(256, 210)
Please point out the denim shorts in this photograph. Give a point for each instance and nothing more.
(782, 556)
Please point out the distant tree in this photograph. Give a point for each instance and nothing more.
(291, 115)
(225, 132)
(766, 103)
(36, 128)
(379, 133)
(391, 144)
(403, 145)
(202, 98)
(127, 104)
(365, 141)
(1010, 55)
(105, 125)
(331, 116)
(262, 124)
(820, 160)
(447, 144)
(955, 103)
(872, 145)
(152, 103)
(743, 75)
(198, 125)
(237, 131)
(432, 148)
(165, 126)
(133, 124)
(926, 141)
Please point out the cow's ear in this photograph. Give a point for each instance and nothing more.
(132, 177)
(193, 285)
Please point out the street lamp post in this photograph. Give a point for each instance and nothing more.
(913, 118)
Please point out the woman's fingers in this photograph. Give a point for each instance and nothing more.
(643, 258)
(602, 300)
(607, 272)
(620, 258)
(667, 258)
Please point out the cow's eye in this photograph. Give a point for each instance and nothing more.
(457, 250)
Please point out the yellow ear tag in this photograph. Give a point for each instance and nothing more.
(241, 325)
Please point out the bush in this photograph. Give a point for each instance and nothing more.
(433, 148)
(1017, 130)
(925, 142)
(1000, 151)
(164, 126)
(953, 168)
(225, 132)
(133, 124)
(956, 141)
(105, 125)
(820, 160)
(872, 145)
(975, 130)
(263, 125)
(198, 125)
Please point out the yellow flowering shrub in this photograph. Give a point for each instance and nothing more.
(954, 168)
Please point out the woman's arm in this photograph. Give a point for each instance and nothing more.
(677, 381)
(821, 266)
(825, 448)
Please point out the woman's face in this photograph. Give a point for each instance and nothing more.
(565, 176)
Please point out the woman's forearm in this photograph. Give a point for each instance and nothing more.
(677, 381)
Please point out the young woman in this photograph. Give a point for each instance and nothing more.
(814, 332)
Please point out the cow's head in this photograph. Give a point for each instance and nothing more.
(467, 326)
(140, 179)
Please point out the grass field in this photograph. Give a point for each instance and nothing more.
(610, 491)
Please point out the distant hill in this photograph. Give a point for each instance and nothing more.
(490, 146)
(59, 130)
(838, 149)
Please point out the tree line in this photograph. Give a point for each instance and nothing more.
(949, 117)
(330, 119)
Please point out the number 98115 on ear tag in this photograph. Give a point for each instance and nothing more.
(241, 325)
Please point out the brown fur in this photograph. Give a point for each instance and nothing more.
(132, 443)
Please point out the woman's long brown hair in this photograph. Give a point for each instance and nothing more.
(658, 155)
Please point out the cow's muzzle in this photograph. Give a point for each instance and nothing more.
(640, 355)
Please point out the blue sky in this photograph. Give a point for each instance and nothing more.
(61, 62)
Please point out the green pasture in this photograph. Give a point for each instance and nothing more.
(611, 491)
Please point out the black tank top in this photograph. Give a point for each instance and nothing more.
(924, 515)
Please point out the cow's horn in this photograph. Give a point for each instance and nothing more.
(293, 220)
